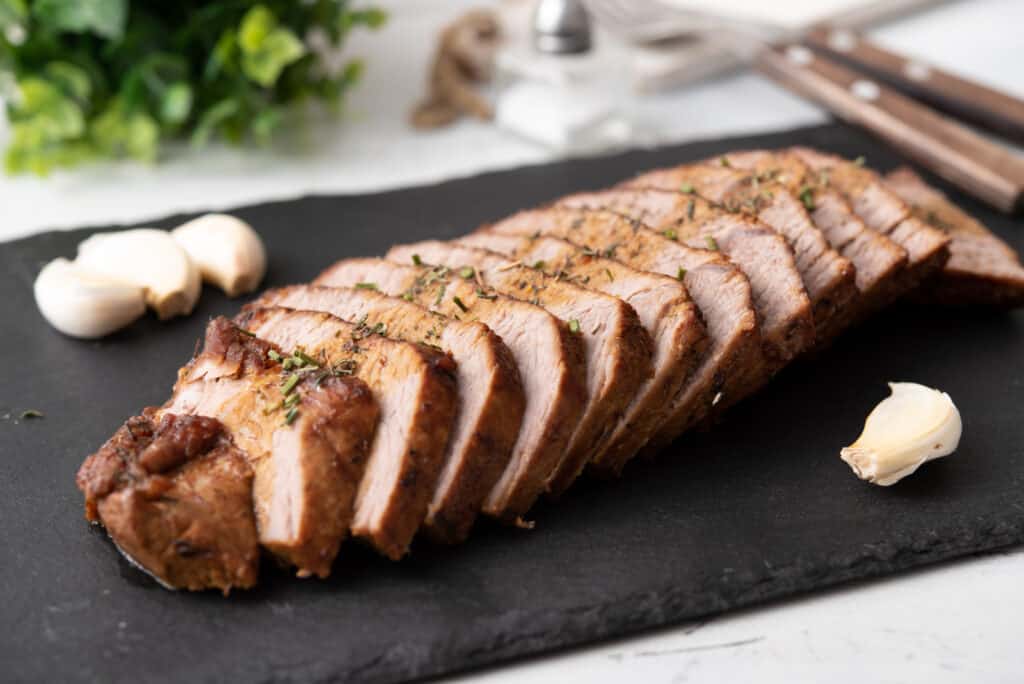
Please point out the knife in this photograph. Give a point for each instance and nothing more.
(983, 168)
(960, 97)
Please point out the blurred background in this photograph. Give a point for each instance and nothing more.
(653, 74)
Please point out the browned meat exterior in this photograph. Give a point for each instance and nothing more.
(617, 347)
(415, 389)
(549, 356)
(781, 302)
(982, 269)
(828, 277)
(881, 263)
(176, 497)
(306, 439)
(665, 310)
(883, 211)
(734, 364)
(491, 399)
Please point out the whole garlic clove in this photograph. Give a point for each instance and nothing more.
(83, 304)
(912, 425)
(148, 258)
(227, 250)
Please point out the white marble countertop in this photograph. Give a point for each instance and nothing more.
(957, 623)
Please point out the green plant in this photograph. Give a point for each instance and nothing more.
(90, 79)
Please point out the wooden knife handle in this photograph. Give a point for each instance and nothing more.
(982, 168)
(965, 99)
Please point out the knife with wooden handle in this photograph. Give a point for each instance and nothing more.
(963, 98)
(979, 166)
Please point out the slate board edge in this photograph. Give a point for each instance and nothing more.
(651, 611)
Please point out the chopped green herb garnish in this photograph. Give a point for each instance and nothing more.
(292, 414)
(690, 206)
(724, 161)
(381, 329)
(467, 272)
(574, 325)
(686, 188)
(807, 197)
(247, 333)
(681, 273)
(416, 261)
(458, 303)
(273, 355)
(290, 384)
(366, 286)
(305, 358)
(859, 161)
(483, 295)
(608, 271)
(440, 295)
(291, 400)
(407, 297)
(31, 413)
(670, 234)
(539, 265)
(712, 243)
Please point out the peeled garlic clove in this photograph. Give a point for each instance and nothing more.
(913, 425)
(80, 303)
(227, 250)
(148, 258)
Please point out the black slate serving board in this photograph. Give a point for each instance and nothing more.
(759, 508)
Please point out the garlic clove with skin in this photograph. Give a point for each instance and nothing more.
(83, 304)
(150, 259)
(913, 425)
(227, 250)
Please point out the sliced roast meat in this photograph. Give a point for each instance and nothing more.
(982, 269)
(306, 437)
(883, 211)
(734, 364)
(828, 277)
(491, 400)
(764, 256)
(665, 309)
(617, 347)
(415, 389)
(881, 263)
(175, 496)
(549, 356)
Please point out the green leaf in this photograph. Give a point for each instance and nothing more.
(223, 55)
(72, 80)
(212, 118)
(120, 132)
(256, 26)
(13, 13)
(176, 103)
(278, 49)
(43, 113)
(105, 18)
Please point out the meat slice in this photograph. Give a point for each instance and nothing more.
(781, 302)
(665, 309)
(883, 211)
(734, 364)
(415, 389)
(881, 264)
(828, 277)
(175, 495)
(617, 347)
(549, 357)
(982, 269)
(306, 436)
(300, 470)
(491, 400)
